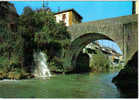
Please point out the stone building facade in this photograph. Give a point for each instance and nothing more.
(69, 17)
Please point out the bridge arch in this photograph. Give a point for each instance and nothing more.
(79, 43)
(122, 30)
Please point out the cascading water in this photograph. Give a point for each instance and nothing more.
(41, 69)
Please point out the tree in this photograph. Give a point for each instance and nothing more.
(3, 9)
(100, 62)
(27, 11)
(11, 47)
(26, 28)
(41, 33)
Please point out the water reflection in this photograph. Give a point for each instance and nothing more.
(90, 85)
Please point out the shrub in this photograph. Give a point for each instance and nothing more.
(100, 62)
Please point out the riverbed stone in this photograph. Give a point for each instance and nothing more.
(127, 79)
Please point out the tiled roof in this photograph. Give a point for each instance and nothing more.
(70, 10)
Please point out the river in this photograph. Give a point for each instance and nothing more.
(89, 85)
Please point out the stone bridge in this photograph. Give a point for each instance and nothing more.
(122, 30)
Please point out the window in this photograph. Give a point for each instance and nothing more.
(63, 17)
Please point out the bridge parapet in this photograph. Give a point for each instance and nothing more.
(100, 26)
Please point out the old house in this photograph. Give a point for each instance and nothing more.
(69, 17)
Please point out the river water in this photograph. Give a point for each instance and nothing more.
(89, 85)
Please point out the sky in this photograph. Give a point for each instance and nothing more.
(89, 10)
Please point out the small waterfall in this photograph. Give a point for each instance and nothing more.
(41, 69)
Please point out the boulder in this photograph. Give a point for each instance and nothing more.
(127, 79)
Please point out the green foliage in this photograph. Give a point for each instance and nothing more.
(49, 30)
(11, 52)
(36, 30)
(100, 62)
(41, 27)
(27, 11)
(53, 36)
(11, 46)
(42, 32)
(3, 9)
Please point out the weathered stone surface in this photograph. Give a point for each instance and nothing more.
(122, 30)
(8, 12)
(127, 79)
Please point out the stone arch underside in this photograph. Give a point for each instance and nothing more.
(78, 44)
